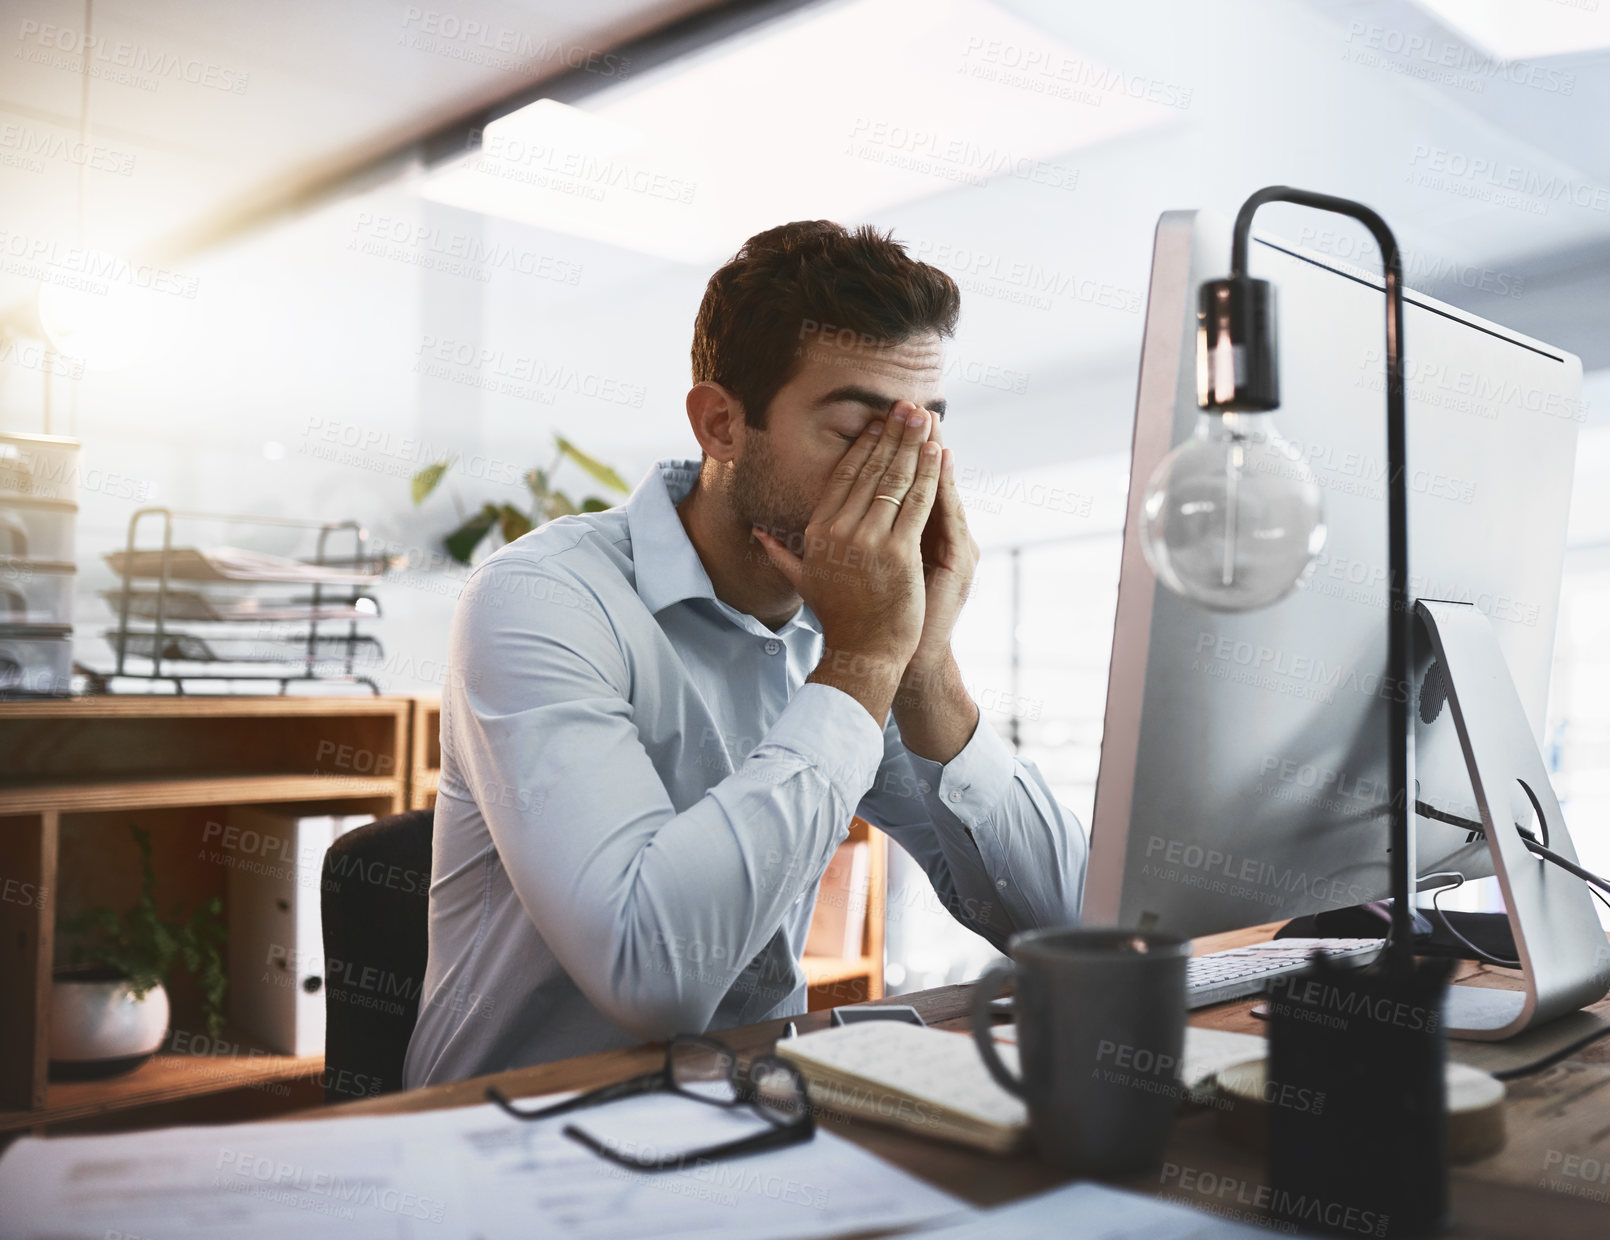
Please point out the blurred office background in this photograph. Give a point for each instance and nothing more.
(308, 248)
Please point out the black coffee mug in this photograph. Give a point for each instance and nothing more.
(1100, 1037)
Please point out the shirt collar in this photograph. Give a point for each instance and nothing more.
(667, 567)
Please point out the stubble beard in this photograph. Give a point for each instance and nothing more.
(758, 493)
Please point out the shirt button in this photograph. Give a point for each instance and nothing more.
(773, 645)
(956, 795)
(1000, 884)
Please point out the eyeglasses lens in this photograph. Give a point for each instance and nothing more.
(704, 1071)
(777, 1093)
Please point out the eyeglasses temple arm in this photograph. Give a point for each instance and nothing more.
(593, 1097)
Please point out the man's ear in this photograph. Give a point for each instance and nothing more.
(717, 419)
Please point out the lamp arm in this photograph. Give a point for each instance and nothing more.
(1400, 614)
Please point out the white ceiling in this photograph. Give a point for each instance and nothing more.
(1375, 99)
(205, 111)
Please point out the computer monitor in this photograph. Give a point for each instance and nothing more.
(1243, 768)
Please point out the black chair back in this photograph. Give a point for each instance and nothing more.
(375, 895)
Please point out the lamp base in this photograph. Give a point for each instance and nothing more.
(1357, 1114)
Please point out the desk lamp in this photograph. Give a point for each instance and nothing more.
(1232, 520)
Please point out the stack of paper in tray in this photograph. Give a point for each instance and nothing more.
(925, 1080)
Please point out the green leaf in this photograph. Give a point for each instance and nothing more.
(557, 504)
(424, 482)
(603, 473)
(593, 504)
(461, 543)
(512, 522)
(536, 481)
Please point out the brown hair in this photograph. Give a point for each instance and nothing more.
(810, 278)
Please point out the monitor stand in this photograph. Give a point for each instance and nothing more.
(1562, 948)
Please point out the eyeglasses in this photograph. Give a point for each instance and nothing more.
(707, 1071)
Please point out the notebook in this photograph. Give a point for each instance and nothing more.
(1207, 1051)
(933, 1083)
(927, 1081)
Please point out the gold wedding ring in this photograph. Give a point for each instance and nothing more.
(892, 499)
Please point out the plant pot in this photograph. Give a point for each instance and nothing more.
(98, 1028)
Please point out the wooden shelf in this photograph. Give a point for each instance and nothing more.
(835, 980)
(177, 792)
(177, 761)
(165, 1078)
(425, 751)
(825, 970)
(102, 740)
(190, 706)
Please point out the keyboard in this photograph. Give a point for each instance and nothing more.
(1242, 971)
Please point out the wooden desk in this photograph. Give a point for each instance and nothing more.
(1518, 1193)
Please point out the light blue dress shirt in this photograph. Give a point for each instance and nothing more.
(639, 793)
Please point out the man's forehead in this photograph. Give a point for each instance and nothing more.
(918, 361)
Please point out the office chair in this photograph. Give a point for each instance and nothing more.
(374, 898)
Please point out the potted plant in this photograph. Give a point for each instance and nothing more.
(109, 1008)
(547, 502)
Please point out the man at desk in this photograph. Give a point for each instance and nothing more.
(661, 718)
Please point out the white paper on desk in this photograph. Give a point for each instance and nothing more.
(1086, 1211)
(464, 1172)
(369, 1176)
